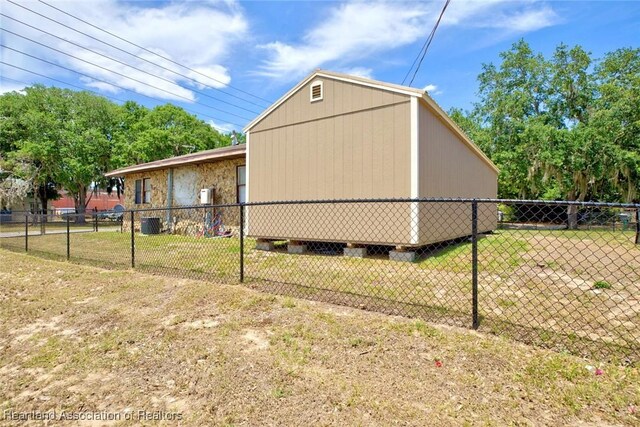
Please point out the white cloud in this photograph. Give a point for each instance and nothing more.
(222, 127)
(104, 87)
(432, 89)
(6, 86)
(218, 72)
(199, 35)
(355, 30)
(526, 21)
(501, 15)
(367, 73)
(350, 32)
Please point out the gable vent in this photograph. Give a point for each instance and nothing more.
(316, 91)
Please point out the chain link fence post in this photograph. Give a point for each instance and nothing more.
(241, 243)
(637, 226)
(68, 239)
(474, 262)
(26, 232)
(133, 242)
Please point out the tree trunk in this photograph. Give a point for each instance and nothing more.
(572, 213)
(42, 196)
(572, 217)
(80, 202)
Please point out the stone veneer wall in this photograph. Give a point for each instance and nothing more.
(220, 175)
(158, 189)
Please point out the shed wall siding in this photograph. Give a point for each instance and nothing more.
(449, 168)
(354, 144)
(360, 155)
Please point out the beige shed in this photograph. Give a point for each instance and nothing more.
(336, 136)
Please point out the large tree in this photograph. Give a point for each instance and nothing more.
(512, 102)
(615, 121)
(559, 128)
(85, 145)
(29, 127)
(164, 131)
(59, 137)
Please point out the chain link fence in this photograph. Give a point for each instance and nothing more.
(564, 275)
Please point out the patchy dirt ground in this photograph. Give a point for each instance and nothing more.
(76, 338)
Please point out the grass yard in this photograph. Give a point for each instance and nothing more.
(80, 338)
(58, 226)
(13, 227)
(569, 290)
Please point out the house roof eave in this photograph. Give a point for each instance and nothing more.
(208, 156)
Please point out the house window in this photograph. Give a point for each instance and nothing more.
(146, 190)
(138, 199)
(241, 183)
(143, 191)
(316, 91)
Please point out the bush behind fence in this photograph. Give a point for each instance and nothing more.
(563, 275)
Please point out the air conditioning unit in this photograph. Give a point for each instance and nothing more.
(206, 196)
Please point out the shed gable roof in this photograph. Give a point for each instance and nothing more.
(405, 90)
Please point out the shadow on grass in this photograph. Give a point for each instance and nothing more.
(617, 352)
(432, 313)
(182, 273)
(101, 263)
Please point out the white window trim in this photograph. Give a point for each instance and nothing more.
(238, 185)
(316, 83)
(246, 180)
(146, 191)
(415, 169)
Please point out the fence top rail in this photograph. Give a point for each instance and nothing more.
(52, 215)
(454, 200)
(380, 200)
(403, 200)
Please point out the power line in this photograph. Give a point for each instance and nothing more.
(14, 80)
(77, 87)
(117, 60)
(55, 80)
(94, 92)
(104, 81)
(149, 51)
(425, 46)
(97, 93)
(125, 76)
(136, 56)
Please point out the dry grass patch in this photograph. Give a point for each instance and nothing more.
(81, 338)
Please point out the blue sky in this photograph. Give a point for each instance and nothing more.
(244, 53)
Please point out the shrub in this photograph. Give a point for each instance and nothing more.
(601, 284)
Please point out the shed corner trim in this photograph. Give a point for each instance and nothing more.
(415, 168)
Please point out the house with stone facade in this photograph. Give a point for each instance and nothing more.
(177, 181)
